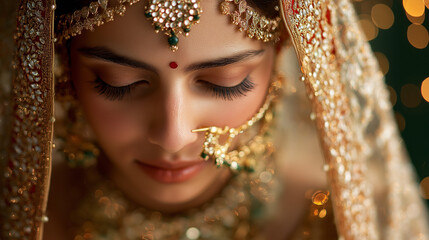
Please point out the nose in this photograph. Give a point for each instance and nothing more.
(172, 121)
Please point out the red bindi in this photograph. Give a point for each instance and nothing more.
(173, 65)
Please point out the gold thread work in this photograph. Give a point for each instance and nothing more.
(173, 17)
(240, 159)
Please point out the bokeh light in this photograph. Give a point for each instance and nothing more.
(410, 95)
(382, 21)
(388, 2)
(415, 8)
(416, 20)
(424, 188)
(392, 94)
(425, 89)
(383, 62)
(418, 36)
(368, 27)
(382, 16)
(400, 120)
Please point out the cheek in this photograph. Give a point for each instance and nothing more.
(237, 112)
(111, 122)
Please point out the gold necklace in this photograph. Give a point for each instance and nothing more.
(236, 213)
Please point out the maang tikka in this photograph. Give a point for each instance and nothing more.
(173, 17)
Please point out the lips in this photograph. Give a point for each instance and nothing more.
(171, 172)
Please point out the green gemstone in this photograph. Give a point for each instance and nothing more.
(148, 14)
(204, 155)
(186, 30)
(89, 154)
(157, 27)
(197, 17)
(173, 40)
(217, 165)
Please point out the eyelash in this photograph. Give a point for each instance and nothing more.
(227, 93)
(110, 92)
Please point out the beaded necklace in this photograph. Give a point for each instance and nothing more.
(236, 213)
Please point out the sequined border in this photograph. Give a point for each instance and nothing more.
(28, 167)
(354, 120)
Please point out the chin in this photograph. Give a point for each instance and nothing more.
(174, 197)
(171, 197)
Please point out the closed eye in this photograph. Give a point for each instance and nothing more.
(230, 93)
(113, 93)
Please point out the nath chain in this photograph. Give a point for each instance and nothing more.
(241, 159)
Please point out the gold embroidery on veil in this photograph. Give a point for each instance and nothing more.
(350, 106)
(354, 120)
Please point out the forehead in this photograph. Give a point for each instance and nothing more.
(133, 35)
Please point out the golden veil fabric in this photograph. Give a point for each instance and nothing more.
(359, 138)
(350, 104)
(26, 169)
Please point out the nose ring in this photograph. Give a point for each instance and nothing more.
(239, 159)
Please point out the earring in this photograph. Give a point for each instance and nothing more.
(79, 150)
(75, 137)
(71, 128)
(244, 157)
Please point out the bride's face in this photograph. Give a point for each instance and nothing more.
(142, 110)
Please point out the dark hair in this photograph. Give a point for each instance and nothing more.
(69, 6)
(266, 7)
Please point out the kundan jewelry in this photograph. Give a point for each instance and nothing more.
(250, 21)
(173, 17)
(240, 159)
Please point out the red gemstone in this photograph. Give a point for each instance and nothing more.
(328, 16)
(173, 65)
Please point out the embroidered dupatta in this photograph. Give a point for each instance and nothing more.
(350, 105)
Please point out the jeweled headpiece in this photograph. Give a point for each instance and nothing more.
(358, 135)
(96, 14)
(248, 20)
(173, 17)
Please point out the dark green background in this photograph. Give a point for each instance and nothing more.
(407, 65)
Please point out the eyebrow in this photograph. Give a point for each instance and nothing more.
(106, 54)
(224, 61)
